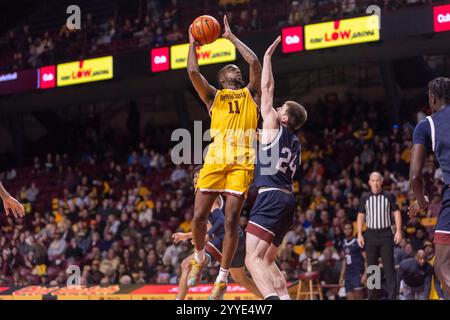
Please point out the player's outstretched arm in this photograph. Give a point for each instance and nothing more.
(10, 204)
(416, 180)
(205, 91)
(268, 113)
(249, 56)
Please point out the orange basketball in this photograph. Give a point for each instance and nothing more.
(205, 29)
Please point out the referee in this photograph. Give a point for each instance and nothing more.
(376, 207)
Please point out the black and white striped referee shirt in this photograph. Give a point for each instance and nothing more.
(378, 209)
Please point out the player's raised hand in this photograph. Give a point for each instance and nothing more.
(273, 46)
(14, 206)
(191, 37)
(227, 30)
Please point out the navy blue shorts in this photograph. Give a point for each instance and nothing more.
(352, 282)
(214, 248)
(442, 232)
(272, 216)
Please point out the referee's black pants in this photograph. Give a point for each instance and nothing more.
(380, 243)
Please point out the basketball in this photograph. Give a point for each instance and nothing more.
(205, 29)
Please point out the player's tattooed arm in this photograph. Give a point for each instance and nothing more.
(249, 56)
(10, 204)
(205, 91)
(416, 180)
(268, 113)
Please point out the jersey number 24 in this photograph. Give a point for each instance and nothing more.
(287, 161)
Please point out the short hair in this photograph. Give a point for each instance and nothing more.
(297, 115)
(347, 222)
(219, 75)
(376, 173)
(197, 168)
(440, 88)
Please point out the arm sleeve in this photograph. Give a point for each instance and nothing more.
(362, 204)
(393, 203)
(422, 133)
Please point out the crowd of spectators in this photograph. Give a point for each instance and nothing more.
(308, 11)
(159, 23)
(114, 215)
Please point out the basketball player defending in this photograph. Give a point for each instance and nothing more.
(277, 161)
(10, 204)
(434, 132)
(214, 238)
(229, 164)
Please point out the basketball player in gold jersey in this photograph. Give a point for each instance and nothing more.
(229, 163)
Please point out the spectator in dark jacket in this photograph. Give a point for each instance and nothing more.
(416, 274)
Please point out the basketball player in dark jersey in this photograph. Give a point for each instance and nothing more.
(434, 132)
(354, 264)
(277, 161)
(214, 246)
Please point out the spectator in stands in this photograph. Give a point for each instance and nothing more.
(174, 35)
(126, 32)
(255, 20)
(57, 247)
(415, 275)
(243, 23)
(348, 7)
(365, 133)
(418, 239)
(32, 193)
(160, 39)
(178, 174)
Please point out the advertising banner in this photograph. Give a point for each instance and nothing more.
(160, 59)
(119, 292)
(83, 71)
(222, 50)
(441, 16)
(292, 39)
(47, 77)
(342, 32)
(18, 81)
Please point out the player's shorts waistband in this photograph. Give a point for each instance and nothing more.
(263, 189)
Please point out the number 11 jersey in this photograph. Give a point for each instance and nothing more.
(234, 119)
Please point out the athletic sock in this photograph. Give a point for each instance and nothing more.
(285, 297)
(272, 296)
(199, 255)
(223, 275)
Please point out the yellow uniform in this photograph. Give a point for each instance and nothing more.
(229, 163)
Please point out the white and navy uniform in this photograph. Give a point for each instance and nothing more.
(273, 212)
(354, 265)
(434, 132)
(216, 235)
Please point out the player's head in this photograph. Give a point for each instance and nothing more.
(230, 77)
(348, 229)
(438, 93)
(195, 174)
(292, 114)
